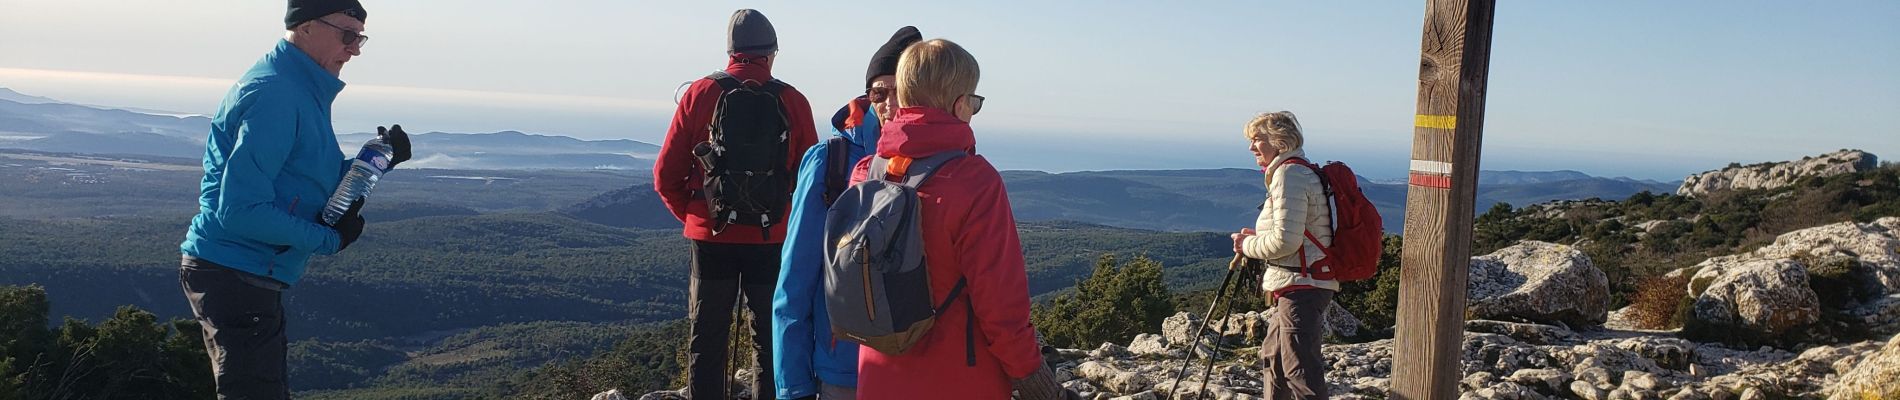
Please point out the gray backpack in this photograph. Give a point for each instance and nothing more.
(877, 288)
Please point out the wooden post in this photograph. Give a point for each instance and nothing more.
(1443, 185)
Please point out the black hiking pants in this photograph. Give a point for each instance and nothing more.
(722, 273)
(242, 316)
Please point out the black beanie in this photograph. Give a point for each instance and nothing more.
(305, 10)
(750, 33)
(885, 61)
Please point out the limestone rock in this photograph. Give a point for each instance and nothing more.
(1538, 281)
(1877, 377)
(1760, 298)
(1775, 175)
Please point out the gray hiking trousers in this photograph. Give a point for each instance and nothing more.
(1294, 368)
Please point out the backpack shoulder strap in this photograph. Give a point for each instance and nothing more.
(774, 86)
(921, 169)
(726, 81)
(838, 155)
(969, 323)
(1326, 187)
(914, 170)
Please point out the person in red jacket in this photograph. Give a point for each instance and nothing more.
(969, 232)
(730, 259)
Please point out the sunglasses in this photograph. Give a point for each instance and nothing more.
(878, 94)
(976, 103)
(350, 38)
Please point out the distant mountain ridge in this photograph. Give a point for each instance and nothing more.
(1162, 200)
(44, 124)
(23, 98)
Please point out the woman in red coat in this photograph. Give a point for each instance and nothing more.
(969, 232)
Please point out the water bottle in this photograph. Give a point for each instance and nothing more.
(369, 166)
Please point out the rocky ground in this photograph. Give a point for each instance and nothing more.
(1812, 315)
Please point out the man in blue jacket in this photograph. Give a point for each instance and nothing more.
(810, 363)
(271, 162)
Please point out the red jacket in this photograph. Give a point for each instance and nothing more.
(677, 175)
(968, 232)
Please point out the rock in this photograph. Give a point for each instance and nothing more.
(1769, 176)
(1877, 377)
(666, 395)
(1148, 344)
(1177, 328)
(1341, 323)
(1624, 394)
(1881, 316)
(1478, 380)
(612, 394)
(1666, 352)
(1872, 246)
(1527, 333)
(1538, 281)
(1112, 378)
(1688, 394)
(1109, 350)
(1754, 394)
(1587, 391)
(1595, 376)
(1738, 300)
(1640, 380)
(1138, 396)
(1504, 390)
(1543, 380)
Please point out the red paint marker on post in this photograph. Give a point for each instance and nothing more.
(1433, 174)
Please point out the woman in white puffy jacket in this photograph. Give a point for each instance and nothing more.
(1294, 222)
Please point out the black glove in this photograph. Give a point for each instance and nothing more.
(349, 226)
(397, 140)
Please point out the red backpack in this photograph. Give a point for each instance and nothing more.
(1358, 231)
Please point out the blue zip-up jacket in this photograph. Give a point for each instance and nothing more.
(271, 161)
(801, 328)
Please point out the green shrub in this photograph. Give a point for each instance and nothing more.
(130, 355)
(1115, 303)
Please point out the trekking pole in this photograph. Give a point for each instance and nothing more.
(1221, 336)
(732, 346)
(1187, 360)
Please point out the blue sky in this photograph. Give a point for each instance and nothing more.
(1618, 88)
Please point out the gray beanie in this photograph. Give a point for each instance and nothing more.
(750, 33)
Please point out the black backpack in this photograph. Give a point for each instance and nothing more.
(745, 154)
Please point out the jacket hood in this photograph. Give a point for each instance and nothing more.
(745, 70)
(918, 132)
(865, 131)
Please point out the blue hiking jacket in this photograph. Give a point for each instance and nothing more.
(801, 327)
(271, 161)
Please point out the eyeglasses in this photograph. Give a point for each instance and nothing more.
(976, 103)
(878, 94)
(350, 38)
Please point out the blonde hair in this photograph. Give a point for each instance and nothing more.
(934, 73)
(1280, 129)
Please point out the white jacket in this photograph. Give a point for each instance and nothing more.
(1296, 204)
